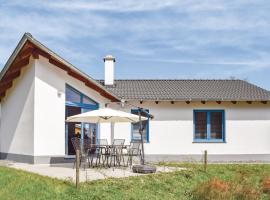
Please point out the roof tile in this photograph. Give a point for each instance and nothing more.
(181, 90)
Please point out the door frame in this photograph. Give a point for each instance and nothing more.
(81, 106)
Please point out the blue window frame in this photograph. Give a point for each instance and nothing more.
(135, 135)
(209, 125)
(76, 103)
(78, 99)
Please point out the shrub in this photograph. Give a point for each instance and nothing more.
(266, 185)
(213, 189)
(218, 189)
(245, 192)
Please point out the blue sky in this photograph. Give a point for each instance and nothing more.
(211, 39)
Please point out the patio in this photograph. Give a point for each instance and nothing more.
(112, 155)
(66, 171)
(97, 159)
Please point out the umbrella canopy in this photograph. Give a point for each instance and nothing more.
(105, 115)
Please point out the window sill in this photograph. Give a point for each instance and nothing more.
(69, 156)
(147, 142)
(209, 142)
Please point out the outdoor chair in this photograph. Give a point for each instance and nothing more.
(79, 145)
(116, 153)
(134, 150)
(118, 142)
(102, 151)
(89, 150)
(102, 142)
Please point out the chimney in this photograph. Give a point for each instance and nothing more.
(109, 61)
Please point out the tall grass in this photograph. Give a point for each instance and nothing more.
(219, 182)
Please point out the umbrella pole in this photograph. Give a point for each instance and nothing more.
(112, 132)
(140, 131)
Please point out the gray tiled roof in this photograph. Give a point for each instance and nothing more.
(183, 90)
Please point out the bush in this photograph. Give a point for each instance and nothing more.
(219, 189)
(266, 185)
(245, 192)
(213, 189)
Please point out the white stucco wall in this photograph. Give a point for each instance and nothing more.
(17, 115)
(33, 113)
(50, 82)
(247, 129)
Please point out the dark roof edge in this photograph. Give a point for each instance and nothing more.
(198, 100)
(174, 80)
(101, 80)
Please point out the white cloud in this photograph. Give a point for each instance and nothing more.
(143, 30)
(105, 5)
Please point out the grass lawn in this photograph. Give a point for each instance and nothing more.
(219, 182)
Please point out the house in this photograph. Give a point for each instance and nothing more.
(38, 90)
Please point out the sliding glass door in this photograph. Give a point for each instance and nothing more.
(73, 129)
(77, 103)
(89, 130)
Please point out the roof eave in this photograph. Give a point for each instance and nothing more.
(197, 100)
(43, 47)
(28, 37)
(14, 54)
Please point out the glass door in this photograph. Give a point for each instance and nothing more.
(77, 129)
(77, 103)
(73, 129)
(89, 130)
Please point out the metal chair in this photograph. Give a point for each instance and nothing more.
(102, 141)
(102, 151)
(116, 152)
(117, 142)
(79, 145)
(90, 150)
(134, 150)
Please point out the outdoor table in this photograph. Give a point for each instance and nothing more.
(110, 152)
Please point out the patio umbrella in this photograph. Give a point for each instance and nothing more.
(105, 115)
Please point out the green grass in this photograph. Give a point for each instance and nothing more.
(16, 184)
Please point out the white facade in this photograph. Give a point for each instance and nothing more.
(33, 113)
(17, 115)
(50, 84)
(247, 131)
(33, 122)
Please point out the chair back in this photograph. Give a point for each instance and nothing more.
(89, 148)
(102, 141)
(118, 142)
(83, 146)
(77, 143)
(118, 146)
(87, 143)
(135, 147)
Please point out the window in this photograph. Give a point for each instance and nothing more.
(209, 126)
(76, 98)
(135, 135)
(72, 95)
(86, 100)
(76, 103)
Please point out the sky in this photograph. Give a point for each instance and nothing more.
(153, 39)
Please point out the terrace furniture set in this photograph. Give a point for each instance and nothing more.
(106, 155)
